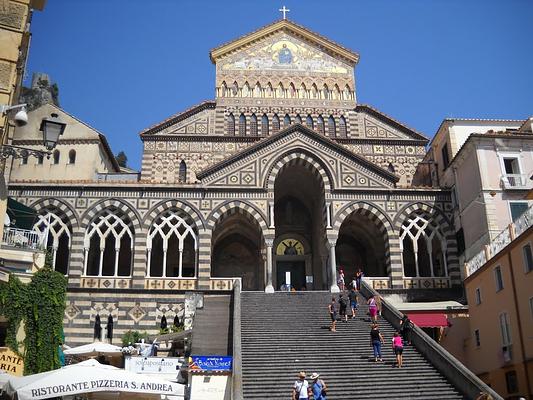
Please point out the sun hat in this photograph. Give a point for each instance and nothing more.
(302, 374)
(314, 375)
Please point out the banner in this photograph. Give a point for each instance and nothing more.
(153, 365)
(11, 362)
(210, 363)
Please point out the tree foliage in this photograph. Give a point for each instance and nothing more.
(122, 159)
(40, 305)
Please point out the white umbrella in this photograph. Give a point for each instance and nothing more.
(88, 377)
(93, 349)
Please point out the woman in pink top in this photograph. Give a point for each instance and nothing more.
(397, 347)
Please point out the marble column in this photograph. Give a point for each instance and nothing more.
(333, 267)
(269, 288)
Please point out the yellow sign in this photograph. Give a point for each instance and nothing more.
(11, 362)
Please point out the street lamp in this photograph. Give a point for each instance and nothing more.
(52, 127)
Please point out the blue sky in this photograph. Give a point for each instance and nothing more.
(124, 65)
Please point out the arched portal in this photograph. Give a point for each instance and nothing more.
(361, 244)
(299, 248)
(236, 250)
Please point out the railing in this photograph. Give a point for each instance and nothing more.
(516, 181)
(505, 237)
(23, 238)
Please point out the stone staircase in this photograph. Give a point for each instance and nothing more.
(213, 327)
(283, 333)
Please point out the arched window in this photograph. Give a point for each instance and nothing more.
(246, 90)
(257, 90)
(337, 93)
(320, 125)
(286, 121)
(253, 125)
(223, 90)
(182, 173)
(325, 92)
(264, 125)
(280, 92)
(298, 119)
(269, 92)
(292, 91)
(55, 156)
(172, 244)
(24, 159)
(314, 92)
(108, 244)
(302, 92)
(423, 247)
(309, 122)
(342, 127)
(40, 159)
(72, 156)
(347, 93)
(331, 126)
(55, 229)
(235, 89)
(242, 125)
(231, 124)
(275, 124)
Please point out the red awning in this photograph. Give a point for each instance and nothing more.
(429, 320)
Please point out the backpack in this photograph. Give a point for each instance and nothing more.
(342, 302)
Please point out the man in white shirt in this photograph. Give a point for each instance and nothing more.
(301, 389)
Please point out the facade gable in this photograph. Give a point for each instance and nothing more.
(252, 167)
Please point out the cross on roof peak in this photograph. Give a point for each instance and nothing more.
(284, 10)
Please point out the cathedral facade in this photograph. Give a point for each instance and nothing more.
(282, 179)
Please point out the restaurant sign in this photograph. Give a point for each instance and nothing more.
(209, 363)
(10, 362)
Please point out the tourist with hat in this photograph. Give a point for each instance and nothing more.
(318, 387)
(301, 389)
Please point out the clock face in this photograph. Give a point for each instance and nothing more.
(290, 247)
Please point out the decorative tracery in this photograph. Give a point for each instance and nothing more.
(172, 245)
(108, 244)
(57, 235)
(423, 247)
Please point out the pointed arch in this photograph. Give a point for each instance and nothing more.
(275, 124)
(331, 126)
(269, 92)
(286, 121)
(257, 90)
(223, 89)
(342, 127)
(302, 92)
(242, 125)
(320, 125)
(314, 92)
(309, 122)
(182, 172)
(253, 125)
(337, 93)
(235, 89)
(325, 92)
(54, 226)
(292, 91)
(280, 93)
(347, 93)
(246, 92)
(230, 122)
(264, 125)
(297, 119)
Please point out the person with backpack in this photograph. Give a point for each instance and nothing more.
(318, 387)
(373, 309)
(332, 307)
(376, 340)
(405, 328)
(343, 305)
(352, 296)
(397, 348)
(301, 389)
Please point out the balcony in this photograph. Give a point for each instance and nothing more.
(23, 239)
(516, 181)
